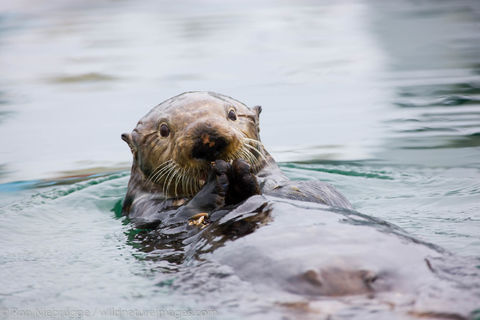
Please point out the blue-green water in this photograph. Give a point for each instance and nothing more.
(380, 99)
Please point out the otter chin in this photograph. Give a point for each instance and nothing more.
(176, 144)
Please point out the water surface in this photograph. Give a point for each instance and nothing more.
(380, 99)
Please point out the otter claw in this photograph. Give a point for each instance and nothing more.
(198, 220)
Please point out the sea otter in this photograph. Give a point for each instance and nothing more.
(204, 149)
(204, 191)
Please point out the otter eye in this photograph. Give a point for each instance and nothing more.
(164, 130)
(232, 115)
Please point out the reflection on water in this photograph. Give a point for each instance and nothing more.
(382, 99)
(87, 77)
(433, 58)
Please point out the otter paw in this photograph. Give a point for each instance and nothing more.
(222, 171)
(243, 183)
(212, 195)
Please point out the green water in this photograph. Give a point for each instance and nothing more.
(381, 100)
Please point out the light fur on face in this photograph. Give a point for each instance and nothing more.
(167, 161)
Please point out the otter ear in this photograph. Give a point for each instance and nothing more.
(127, 137)
(258, 110)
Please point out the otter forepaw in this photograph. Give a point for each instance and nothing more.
(213, 193)
(243, 183)
(222, 170)
(227, 184)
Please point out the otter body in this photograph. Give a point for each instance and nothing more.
(209, 194)
(176, 145)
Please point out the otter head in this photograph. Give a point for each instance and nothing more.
(174, 144)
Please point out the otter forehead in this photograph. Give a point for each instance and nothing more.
(191, 106)
(198, 102)
(195, 110)
(193, 97)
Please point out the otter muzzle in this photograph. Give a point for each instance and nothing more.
(209, 146)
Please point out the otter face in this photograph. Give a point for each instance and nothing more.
(175, 142)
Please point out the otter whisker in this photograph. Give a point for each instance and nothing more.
(188, 182)
(185, 177)
(157, 177)
(166, 168)
(195, 182)
(250, 154)
(238, 154)
(184, 173)
(173, 177)
(247, 143)
(254, 148)
(253, 140)
(166, 184)
(158, 170)
(181, 179)
(168, 181)
(190, 185)
(162, 177)
(165, 171)
(249, 150)
(177, 178)
(246, 155)
(255, 161)
(254, 143)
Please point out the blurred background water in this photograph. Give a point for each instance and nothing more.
(382, 99)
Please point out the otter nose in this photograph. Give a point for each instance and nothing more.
(209, 146)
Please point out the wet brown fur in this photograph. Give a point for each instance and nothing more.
(164, 167)
(188, 115)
